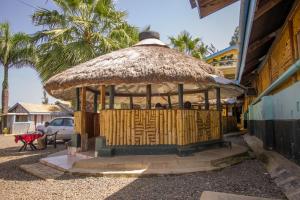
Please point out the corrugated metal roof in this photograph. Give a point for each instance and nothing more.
(38, 108)
(221, 52)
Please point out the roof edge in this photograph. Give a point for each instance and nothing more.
(246, 20)
(222, 51)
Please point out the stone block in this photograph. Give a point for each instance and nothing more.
(104, 152)
(75, 140)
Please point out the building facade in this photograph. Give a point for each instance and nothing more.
(24, 117)
(225, 60)
(268, 66)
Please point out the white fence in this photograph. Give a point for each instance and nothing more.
(22, 127)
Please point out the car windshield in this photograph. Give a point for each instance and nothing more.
(56, 122)
(68, 122)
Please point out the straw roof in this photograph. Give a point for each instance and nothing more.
(130, 69)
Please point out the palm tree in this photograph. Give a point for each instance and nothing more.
(79, 31)
(16, 50)
(235, 37)
(195, 47)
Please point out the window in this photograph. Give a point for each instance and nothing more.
(21, 118)
(56, 122)
(68, 122)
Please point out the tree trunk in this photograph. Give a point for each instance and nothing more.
(5, 97)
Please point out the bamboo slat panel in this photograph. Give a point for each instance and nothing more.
(281, 56)
(91, 123)
(77, 122)
(157, 127)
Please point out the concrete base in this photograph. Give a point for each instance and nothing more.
(285, 173)
(207, 195)
(145, 165)
(42, 171)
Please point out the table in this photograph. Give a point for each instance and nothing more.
(28, 139)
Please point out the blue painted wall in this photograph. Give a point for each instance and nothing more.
(284, 105)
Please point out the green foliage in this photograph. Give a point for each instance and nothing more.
(16, 50)
(235, 37)
(195, 47)
(79, 31)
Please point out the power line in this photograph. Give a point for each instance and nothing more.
(27, 4)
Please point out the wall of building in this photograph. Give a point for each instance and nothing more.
(275, 119)
(283, 53)
(233, 52)
(219, 61)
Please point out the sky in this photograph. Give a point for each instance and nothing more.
(168, 17)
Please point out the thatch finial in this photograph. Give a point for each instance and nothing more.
(149, 35)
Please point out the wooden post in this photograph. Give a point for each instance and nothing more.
(180, 96)
(111, 96)
(84, 136)
(148, 96)
(227, 109)
(95, 102)
(219, 108)
(102, 96)
(206, 100)
(169, 102)
(130, 102)
(77, 99)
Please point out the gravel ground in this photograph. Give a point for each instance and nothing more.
(248, 178)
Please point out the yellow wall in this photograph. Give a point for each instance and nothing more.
(228, 71)
(218, 57)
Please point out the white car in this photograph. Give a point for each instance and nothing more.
(64, 126)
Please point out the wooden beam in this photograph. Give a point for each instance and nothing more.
(206, 100)
(83, 110)
(180, 96)
(208, 7)
(102, 96)
(265, 8)
(84, 135)
(219, 108)
(131, 102)
(169, 102)
(111, 96)
(159, 94)
(148, 96)
(291, 36)
(260, 42)
(95, 103)
(218, 97)
(77, 99)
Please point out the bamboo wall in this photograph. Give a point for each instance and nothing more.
(159, 127)
(283, 53)
(91, 123)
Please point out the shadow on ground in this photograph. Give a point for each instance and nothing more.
(247, 178)
(11, 159)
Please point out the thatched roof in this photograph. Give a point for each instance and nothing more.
(130, 69)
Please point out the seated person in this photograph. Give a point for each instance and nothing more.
(187, 105)
(158, 106)
(42, 140)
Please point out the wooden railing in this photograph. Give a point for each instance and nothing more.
(159, 127)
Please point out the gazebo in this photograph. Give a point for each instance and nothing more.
(143, 100)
